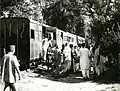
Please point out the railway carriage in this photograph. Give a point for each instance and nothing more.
(70, 38)
(55, 33)
(60, 36)
(25, 34)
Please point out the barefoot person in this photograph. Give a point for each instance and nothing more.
(10, 66)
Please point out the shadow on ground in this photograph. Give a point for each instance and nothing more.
(68, 78)
(109, 77)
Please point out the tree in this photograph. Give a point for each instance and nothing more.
(65, 15)
(105, 27)
(25, 8)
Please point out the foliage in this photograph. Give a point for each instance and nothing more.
(25, 9)
(70, 16)
(106, 27)
(31, 9)
(65, 15)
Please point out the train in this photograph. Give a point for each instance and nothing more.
(28, 36)
(62, 37)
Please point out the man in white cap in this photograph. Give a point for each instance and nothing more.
(10, 66)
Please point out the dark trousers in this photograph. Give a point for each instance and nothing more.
(11, 85)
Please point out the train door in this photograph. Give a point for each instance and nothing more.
(44, 32)
(2, 38)
(54, 35)
(8, 35)
(12, 33)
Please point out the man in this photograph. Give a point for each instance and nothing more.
(72, 58)
(45, 47)
(75, 59)
(57, 60)
(10, 66)
(67, 53)
(84, 61)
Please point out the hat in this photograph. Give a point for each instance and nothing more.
(12, 46)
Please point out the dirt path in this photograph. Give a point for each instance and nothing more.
(36, 82)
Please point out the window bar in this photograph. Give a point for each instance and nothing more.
(23, 26)
(10, 29)
(4, 37)
(17, 37)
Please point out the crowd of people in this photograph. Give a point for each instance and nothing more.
(61, 61)
(73, 58)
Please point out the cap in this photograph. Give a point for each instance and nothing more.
(12, 46)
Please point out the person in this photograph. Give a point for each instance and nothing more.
(84, 61)
(75, 59)
(10, 66)
(99, 62)
(49, 56)
(67, 53)
(45, 47)
(72, 58)
(62, 55)
(57, 60)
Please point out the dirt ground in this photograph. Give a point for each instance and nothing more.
(43, 81)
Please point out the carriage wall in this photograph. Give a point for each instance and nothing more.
(35, 39)
(62, 37)
(69, 38)
(15, 31)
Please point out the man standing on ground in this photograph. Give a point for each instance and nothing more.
(10, 66)
(84, 61)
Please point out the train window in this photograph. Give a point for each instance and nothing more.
(54, 35)
(44, 33)
(68, 39)
(72, 39)
(32, 34)
(49, 36)
(65, 38)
